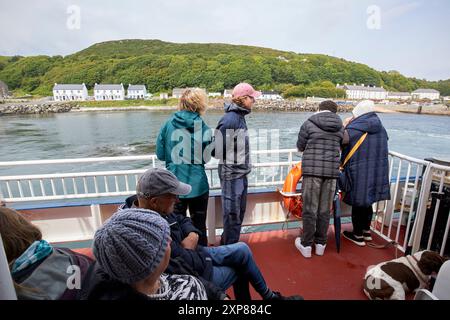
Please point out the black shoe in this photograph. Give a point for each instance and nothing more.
(279, 296)
(367, 236)
(358, 240)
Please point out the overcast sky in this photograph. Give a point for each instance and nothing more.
(409, 36)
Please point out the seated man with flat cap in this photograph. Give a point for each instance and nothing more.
(217, 267)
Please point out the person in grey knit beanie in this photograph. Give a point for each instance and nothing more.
(133, 249)
(131, 244)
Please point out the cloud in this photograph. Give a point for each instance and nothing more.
(335, 27)
(400, 10)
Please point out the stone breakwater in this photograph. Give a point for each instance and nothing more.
(289, 105)
(35, 108)
(286, 105)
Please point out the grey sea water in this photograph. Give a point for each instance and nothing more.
(98, 134)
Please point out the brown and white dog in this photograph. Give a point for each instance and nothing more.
(391, 280)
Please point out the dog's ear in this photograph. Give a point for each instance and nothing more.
(430, 262)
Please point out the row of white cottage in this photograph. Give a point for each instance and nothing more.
(79, 92)
(379, 93)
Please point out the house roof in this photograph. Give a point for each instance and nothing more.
(69, 86)
(137, 87)
(364, 88)
(425, 91)
(108, 87)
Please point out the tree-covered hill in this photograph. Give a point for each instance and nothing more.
(163, 66)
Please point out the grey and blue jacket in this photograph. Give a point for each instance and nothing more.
(232, 146)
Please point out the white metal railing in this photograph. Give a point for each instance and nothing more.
(402, 219)
(97, 184)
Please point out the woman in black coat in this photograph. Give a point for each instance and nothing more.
(365, 179)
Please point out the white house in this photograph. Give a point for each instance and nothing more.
(228, 93)
(270, 95)
(214, 94)
(109, 92)
(70, 92)
(426, 94)
(363, 92)
(164, 95)
(178, 92)
(136, 91)
(399, 96)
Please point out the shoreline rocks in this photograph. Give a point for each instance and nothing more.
(35, 108)
(285, 105)
(47, 107)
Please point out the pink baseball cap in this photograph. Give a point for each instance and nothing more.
(245, 89)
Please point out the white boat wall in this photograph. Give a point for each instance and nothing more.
(70, 206)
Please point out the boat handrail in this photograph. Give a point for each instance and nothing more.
(113, 159)
(411, 187)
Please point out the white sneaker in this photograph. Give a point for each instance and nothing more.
(305, 251)
(320, 249)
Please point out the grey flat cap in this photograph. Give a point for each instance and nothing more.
(156, 182)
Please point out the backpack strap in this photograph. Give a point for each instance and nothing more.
(353, 150)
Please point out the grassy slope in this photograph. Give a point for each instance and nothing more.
(164, 65)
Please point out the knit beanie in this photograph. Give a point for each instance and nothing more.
(328, 105)
(131, 244)
(363, 107)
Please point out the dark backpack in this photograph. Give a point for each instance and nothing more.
(55, 277)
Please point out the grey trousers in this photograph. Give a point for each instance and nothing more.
(318, 196)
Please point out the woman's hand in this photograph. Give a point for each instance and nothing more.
(347, 121)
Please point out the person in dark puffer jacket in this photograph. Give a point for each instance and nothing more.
(320, 139)
(222, 266)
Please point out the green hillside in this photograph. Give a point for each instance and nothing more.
(163, 66)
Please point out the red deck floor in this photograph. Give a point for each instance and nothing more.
(332, 276)
(329, 277)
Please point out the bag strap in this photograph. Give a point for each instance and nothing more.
(354, 149)
(393, 243)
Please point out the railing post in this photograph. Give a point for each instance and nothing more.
(1, 196)
(211, 220)
(96, 215)
(7, 291)
(290, 159)
(422, 208)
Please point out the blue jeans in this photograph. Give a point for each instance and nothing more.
(234, 265)
(234, 204)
